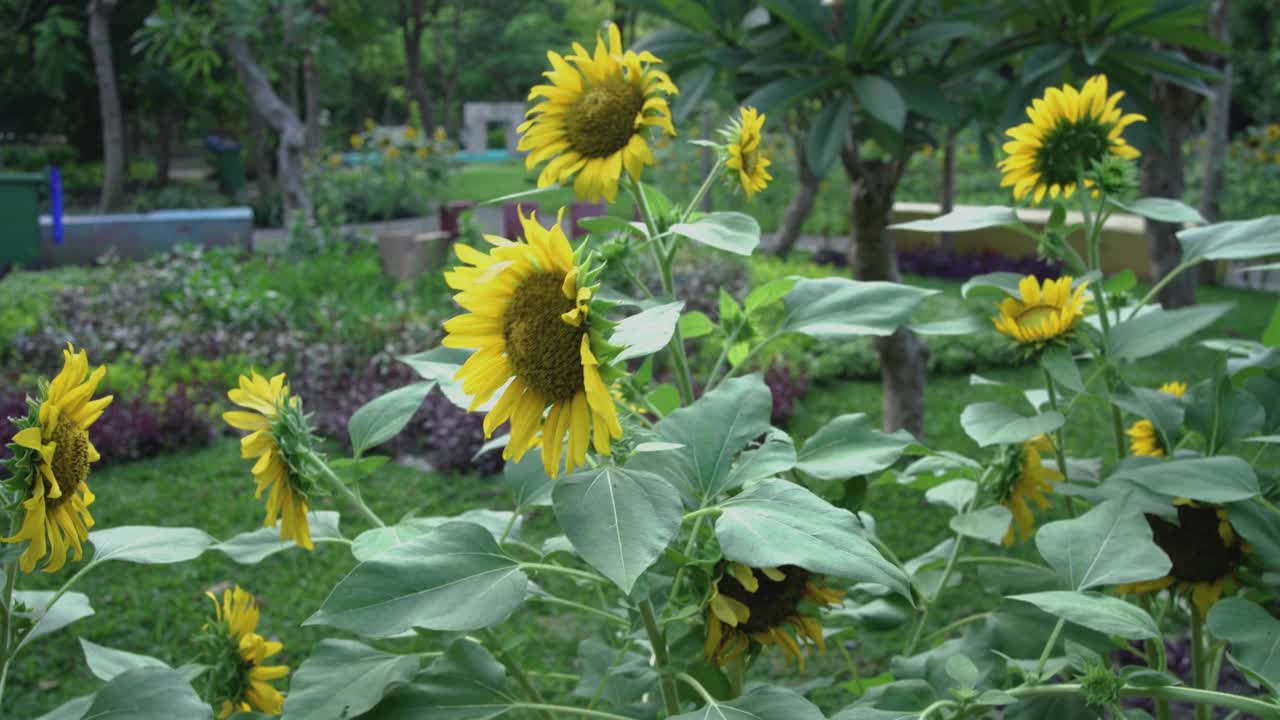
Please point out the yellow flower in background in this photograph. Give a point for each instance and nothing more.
(335, 160)
(410, 134)
(592, 119)
(1069, 130)
(421, 153)
(528, 320)
(392, 153)
(369, 124)
(1144, 439)
(745, 154)
(765, 606)
(238, 655)
(1273, 131)
(1205, 551)
(441, 135)
(357, 141)
(53, 453)
(1028, 483)
(276, 429)
(1045, 311)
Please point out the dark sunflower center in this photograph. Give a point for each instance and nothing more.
(543, 349)
(70, 460)
(603, 120)
(773, 602)
(1195, 546)
(1069, 148)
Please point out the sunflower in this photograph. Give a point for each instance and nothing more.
(1205, 551)
(765, 606)
(528, 320)
(357, 141)
(279, 439)
(52, 452)
(745, 154)
(235, 653)
(592, 120)
(1045, 311)
(1069, 131)
(422, 152)
(1143, 437)
(410, 134)
(1027, 481)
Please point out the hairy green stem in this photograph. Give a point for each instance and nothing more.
(514, 668)
(6, 629)
(928, 602)
(1155, 289)
(339, 488)
(942, 631)
(1198, 659)
(937, 707)
(558, 710)
(604, 614)
(1048, 648)
(697, 687)
(581, 574)
(688, 548)
(670, 696)
(702, 190)
(1246, 705)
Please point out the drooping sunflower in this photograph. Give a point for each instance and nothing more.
(1205, 551)
(745, 154)
(1045, 311)
(1069, 130)
(280, 440)
(235, 653)
(52, 453)
(594, 117)
(1026, 481)
(765, 606)
(1143, 437)
(529, 321)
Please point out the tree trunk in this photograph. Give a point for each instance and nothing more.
(311, 92)
(166, 123)
(113, 170)
(948, 199)
(1217, 134)
(801, 203)
(261, 153)
(412, 25)
(904, 360)
(1162, 176)
(452, 110)
(293, 136)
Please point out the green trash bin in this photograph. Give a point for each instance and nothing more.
(20, 217)
(228, 165)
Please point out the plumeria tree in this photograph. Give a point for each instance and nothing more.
(684, 540)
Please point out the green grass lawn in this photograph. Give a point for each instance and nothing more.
(156, 610)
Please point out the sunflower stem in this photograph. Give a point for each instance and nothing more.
(1198, 659)
(927, 602)
(553, 711)
(1245, 705)
(340, 489)
(514, 668)
(6, 629)
(1048, 648)
(688, 548)
(1060, 449)
(605, 614)
(670, 694)
(1155, 289)
(689, 680)
(581, 574)
(702, 191)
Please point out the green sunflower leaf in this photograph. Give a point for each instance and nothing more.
(733, 232)
(777, 523)
(528, 481)
(375, 541)
(149, 545)
(1109, 545)
(836, 308)
(1108, 615)
(1061, 366)
(1221, 479)
(773, 703)
(991, 423)
(996, 285)
(775, 456)
(1253, 633)
(47, 619)
(106, 663)
(344, 678)
(73, 709)
(713, 430)
(466, 683)
(963, 219)
(1237, 240)
(250, 548)
(1165, 411)
(383, 417)
(1161, 209)
(148, 693)
(646, 332)
(989, 524)
(619, 520)
(452, 578)
(849, 446)
(1159, 329)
